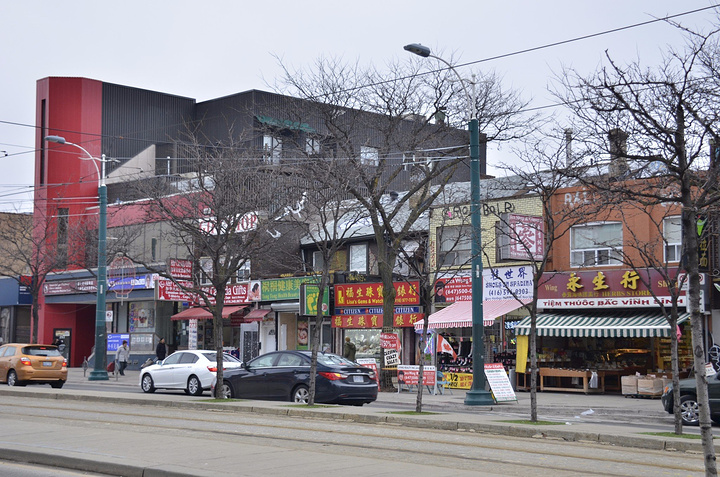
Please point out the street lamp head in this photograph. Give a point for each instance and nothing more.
(57, 139)
(418, 49)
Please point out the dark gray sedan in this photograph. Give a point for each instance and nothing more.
(689, 408)
(285, 376)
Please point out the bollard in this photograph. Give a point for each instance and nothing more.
(85, 366)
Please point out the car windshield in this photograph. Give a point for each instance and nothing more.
(212, 356)
(333, 360)
(40, 351)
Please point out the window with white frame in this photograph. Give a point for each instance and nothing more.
(672, 234)
(596, 244)
(243, 273)
(206, 272)
(318, 261)
(312, 146)
(272, 149)
(454, 246)
(369, 155)
(357, 258)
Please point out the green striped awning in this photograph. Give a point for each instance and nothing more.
(623, 324)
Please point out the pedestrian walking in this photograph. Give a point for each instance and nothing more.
(122, 355)
(161, 350)
(349, 349)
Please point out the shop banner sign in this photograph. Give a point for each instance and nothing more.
(450, 290)
(167, 290)
(192, 334)
(180, 269)
(609, 288)
(372, 364)
(390, 341)
(508, 283)
(400, 320)
(309, 300)
(392, 357)
(114, 340)
(458, 380)
(410, 375)
(283, 288)
(499, 382)
(371, 294)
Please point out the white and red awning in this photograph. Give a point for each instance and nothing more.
(459, 314)
(198, 313)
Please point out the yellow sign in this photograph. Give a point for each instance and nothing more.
(458, 380)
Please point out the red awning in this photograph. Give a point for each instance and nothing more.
(256, 315)
(459, 314)
(197, 313)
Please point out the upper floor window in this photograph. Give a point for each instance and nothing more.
(455, 246)
(206, 271)
(318, 261)
(312, 146)
(272, 149)
(596, 244)
(357, 258)
(369, 155)
(672, 234)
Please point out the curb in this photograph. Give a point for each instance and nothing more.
(387, 418)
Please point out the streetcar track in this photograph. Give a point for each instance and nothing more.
(428, 443)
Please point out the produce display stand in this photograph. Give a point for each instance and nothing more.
(562, 379)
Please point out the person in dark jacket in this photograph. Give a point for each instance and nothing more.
(161, 350)
(349, 349)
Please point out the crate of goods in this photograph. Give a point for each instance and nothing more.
(629, 384)
(650, 386)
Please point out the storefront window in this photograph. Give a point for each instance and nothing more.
(367, 342)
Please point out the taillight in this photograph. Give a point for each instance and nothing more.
(213, 369)
(333, 376)
(25, 361)
(64, 363)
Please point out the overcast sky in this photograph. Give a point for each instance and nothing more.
(210, 49)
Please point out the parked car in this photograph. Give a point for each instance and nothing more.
(22, 364)
(689, 408)
(191, 370)
(285, 376)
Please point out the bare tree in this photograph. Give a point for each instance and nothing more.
(223, 216)
(665, 115)
(30, 251)
(543, 171)
(395, 137)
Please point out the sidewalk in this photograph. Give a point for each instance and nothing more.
(591, 418)
(551, 405)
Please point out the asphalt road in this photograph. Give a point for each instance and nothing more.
(121, 438)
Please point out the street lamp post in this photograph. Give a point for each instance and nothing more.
(477, 396)
(99, 372)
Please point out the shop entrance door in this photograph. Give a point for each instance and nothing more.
(63, 337)
(250, 347)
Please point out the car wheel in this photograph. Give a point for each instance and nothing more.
(301, 395)
(12, 379)
(226, 391)
(193, 386)
(147, 384)
(57, 384)
(689, 410)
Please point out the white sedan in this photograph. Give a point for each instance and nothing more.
(192, 371)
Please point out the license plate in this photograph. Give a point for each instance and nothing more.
(47, 364)
(358, 379)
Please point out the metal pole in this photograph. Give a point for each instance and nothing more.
(477, 396)
(99, 372)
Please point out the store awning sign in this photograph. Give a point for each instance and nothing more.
(622, 324)
(371, 294)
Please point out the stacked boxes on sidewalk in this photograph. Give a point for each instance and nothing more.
(649, 385)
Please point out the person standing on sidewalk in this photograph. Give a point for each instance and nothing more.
(122, 355)
(161, 350)
(349, 349)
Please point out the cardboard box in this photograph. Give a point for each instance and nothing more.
(629, 384)
(650, 386)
